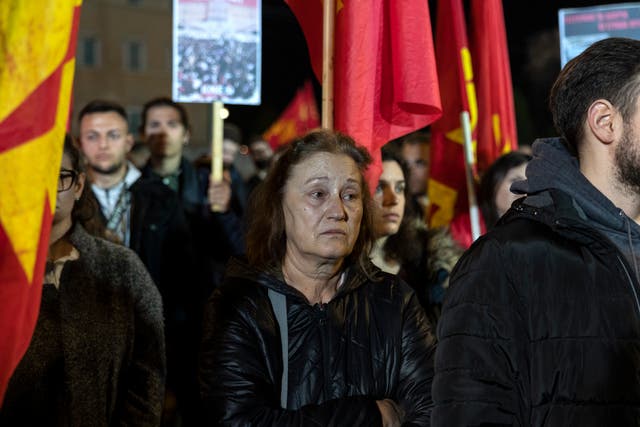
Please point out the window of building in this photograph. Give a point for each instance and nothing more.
(134, 56)
(89, 55)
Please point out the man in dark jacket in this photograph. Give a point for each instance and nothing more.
(216, 235)
(541, 323)
(142, 214)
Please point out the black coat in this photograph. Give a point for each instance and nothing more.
(540, 326)
(371, 341)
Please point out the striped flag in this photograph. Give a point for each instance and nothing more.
(36, 76)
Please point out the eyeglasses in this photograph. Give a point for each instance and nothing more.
(66, 179)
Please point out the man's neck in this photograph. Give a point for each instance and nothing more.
(164, 166)
(108, 180)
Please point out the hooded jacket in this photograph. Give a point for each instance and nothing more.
(541, 323)
(370, 342)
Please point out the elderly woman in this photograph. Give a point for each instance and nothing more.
(309, 332)
(96, 357)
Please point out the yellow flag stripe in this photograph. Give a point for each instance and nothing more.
(35, 39)
(29, 173)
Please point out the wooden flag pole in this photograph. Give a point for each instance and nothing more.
(474, 215)
(217, 123)
(328, 37)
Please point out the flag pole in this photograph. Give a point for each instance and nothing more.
(218, 115)
(328, 37)
(474, 215)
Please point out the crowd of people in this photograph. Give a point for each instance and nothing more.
(303, 297)
(214, 68)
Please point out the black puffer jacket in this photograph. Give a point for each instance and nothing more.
(370, 342)
(541, 323)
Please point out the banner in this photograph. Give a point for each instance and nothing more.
(496, 111)
(217, 51)
(385, 80)
(300, 116)
(36, 77)
(447, 186)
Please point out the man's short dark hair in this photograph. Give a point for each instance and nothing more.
(102, 106)
(608, 69)
(164, 101)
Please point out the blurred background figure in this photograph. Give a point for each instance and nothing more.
(404, 246)
(494, 195)
(357, 345)
(97, 354)
(262, 155)
(414, 150)
(166, 130)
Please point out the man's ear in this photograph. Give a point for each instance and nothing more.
(601, 118)
(186, 137)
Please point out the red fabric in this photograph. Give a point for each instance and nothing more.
(34, 118)
(447, 180)
(496, 114)
(385, 80)
(300, 116)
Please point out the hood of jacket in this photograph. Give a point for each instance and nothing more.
(354, 277)
(553, 167)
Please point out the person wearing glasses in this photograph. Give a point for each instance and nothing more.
(97, 353)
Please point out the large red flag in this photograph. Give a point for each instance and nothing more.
(36, 77)
(300, 116)
(447, 188)
(496, 114)
(385, 80)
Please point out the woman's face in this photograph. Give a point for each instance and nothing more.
(389, 200)
(322, 207)
(504, 197)
(70, 185)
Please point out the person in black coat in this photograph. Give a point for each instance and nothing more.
(541, 323)
(216, 236)
(307, 331)
(145, 215)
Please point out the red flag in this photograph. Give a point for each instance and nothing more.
(36, 77)
(447, 186)
(300, 116)
(496, 115)
(385, 80)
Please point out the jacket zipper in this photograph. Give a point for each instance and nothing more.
(322, 320)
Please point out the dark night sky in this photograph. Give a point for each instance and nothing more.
(285, 63)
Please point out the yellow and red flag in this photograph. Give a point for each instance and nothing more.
(36, 77)
(300, 116)
(496, 114)
(447, 187)
(385, 80)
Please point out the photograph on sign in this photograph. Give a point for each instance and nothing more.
(217, 47)
(580, 27)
